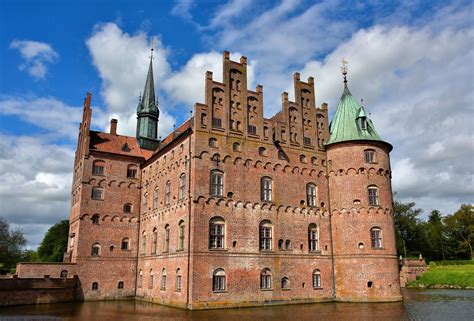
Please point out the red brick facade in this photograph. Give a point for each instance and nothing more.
(234, 209)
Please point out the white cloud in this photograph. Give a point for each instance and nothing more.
(122, 61)
(229, 10)
(36, 56)
(182, 8)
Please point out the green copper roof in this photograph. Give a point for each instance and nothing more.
(147, 103)
(351, 122)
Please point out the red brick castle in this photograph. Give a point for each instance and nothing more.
(233, 209)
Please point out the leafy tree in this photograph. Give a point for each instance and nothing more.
(11, 246)
(54, 244)
(460, 232)
(435, 236)
(409, 231)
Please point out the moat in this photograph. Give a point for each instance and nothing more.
(418, 305)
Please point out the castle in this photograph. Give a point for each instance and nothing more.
(233, 209)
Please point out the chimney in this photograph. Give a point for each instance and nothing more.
(113, 126)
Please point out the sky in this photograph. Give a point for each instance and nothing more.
(410, 61)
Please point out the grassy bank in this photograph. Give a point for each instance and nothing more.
(446, 276)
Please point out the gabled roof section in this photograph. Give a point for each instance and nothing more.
(351, 122)
(114, 144)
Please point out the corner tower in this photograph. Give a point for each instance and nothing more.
(148, 113)
(365, 257)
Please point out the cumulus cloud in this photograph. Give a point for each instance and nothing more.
(35, 183)
(122, 62)
(182, 8)
(36, 56)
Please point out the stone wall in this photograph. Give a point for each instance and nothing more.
(16, 291)
(411, 269)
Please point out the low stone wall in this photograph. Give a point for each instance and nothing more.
(411, 269)
(15, 291)
(39, 270)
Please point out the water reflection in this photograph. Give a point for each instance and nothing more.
(418, 305)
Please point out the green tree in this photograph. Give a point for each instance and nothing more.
(11, 246)
(460, 231)
(435, 236)
(409, 231)
(54, 244)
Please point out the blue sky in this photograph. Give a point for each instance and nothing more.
(409, 60)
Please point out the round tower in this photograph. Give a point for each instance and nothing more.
(365, 255)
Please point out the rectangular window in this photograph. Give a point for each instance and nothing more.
(313, 240)
(252, 130)
(316, 280)
(182, 187)
(265, 238)
(216, 122)
(143, 244)
(178, 283)
(181, 238)
(98, 170)
(97, 193)
(166, 244)
(376, 238)
(151, 282)
(218, 283)
(311, 194)
(145, 203)
(265, 281)
(131, 173)
(216, 237)
(307, 141)
(373, 196)
(266, 189)
(217, 184)
(163, 282)
(369, 156)
(168, 193)
(155, 241)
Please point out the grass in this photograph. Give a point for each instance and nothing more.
(461, 276)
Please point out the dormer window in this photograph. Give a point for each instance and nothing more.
(125, 148)
(363, 123)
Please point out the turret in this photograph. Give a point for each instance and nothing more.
(361, 206)
(148, 113)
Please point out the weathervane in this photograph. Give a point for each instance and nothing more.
(152, 49)
(344, 69)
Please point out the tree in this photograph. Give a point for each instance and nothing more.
(460, 231)
(435, 236)
(11, 246)
(409, 231)
(54, 244)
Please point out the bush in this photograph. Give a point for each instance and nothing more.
(458, 262)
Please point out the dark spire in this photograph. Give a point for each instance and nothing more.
(148, 113)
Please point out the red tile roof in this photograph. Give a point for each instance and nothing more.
(114, 144)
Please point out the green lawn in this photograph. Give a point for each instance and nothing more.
(445, 275)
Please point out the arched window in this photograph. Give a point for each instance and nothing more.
(95, 219)
(311, 198)
(95, 285)
(218, 280)
(213, 142)
(376, 237)
(236, 147)
(143, 243)
(166, 243)
(97, 193)
(132, 171)
(216, 233)
(314, 160)
(313, 238)
(95, 249)
(182, 186)
(179, 280)
(98, 168)
(217, 183)
(167, 193)
(63, 274)
(181, 235)
(125, 244)
(316, 279)
(280, 244)
(150, 282)
(265, 235)
(373, 193)
(285, 283)
(281, 155)
(262, 151)
(303, 158)
(140, 279)
(163, 279)
(155, 199)
(266, 189)
(127, 208)
(369, 156)
(120, 285)
(287, 244)
(154, 240)
(265, 279)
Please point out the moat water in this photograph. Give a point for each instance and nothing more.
(452, 305)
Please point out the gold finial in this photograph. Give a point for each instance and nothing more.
(344, 69)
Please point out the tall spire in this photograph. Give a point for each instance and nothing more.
(148, 113)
